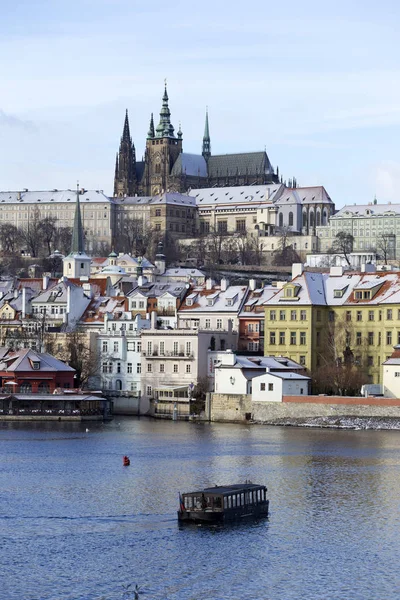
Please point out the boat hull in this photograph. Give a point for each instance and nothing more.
(235, 514)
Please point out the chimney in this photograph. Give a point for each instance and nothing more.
(141, 280)
(68, 300)
(336, 271)
(153, 319)
(224, 285)
(209, 284)
(252, 284)
(23, 309)
(297, 269)
(45, 282)
(15, 294)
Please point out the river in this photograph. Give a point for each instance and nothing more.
(76, 524)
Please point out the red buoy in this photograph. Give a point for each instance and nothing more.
(125, 461)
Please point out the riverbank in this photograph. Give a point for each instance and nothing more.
(339, 422)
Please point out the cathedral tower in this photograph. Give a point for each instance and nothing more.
(125, 183)
(162, 150)
(206, 149)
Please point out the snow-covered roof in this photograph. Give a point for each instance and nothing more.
(22, 361)
(52, 196)
(246, 194)
(367, 210)
(234, 294)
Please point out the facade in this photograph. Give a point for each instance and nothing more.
(166, 167)
(391, 375)
(375, 228)
(26, 208)
(251, 318)
(318, 318)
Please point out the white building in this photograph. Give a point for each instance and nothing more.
(271, 387)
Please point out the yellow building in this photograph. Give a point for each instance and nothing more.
(322, 317)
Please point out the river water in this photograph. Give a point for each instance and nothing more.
(76, 524)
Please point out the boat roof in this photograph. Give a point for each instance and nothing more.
(225, 490)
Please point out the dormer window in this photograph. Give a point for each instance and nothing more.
(189, 302)
(35, 365)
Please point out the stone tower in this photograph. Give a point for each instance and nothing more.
(162, 150)
(125, 183)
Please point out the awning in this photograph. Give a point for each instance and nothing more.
(171, 387)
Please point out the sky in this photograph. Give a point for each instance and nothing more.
(316, 84)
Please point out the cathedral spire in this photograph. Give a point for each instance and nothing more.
(125, 183)
(165, 128)
(77, 243)
(206, 151)
(151, 133)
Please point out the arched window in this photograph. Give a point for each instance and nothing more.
(324, 218)
(311, 219)
(280, 220)
(44, 387)
(290, 219)
(158, 168)
(318, 218)
(25, 388)
(304, 219)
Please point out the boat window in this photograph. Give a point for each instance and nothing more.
(234, 501)
(242, 499)
(225, 502)
(229, 501)
(217, 502)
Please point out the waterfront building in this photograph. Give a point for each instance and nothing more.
(341, 316)
(162, 299)
(251, 318)
(27, 371)
(375, 228)
(165, 167)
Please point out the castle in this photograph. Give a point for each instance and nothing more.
(167, 168)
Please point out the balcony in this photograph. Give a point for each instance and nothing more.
(168, 354)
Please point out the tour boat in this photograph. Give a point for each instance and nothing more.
(224, 503)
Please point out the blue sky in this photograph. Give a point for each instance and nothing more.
(318, 86)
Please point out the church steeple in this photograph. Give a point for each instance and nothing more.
(77, 263)
(165, 128)
(77, 243)
(206, 150)
(125, 183)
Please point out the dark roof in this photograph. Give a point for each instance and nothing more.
(252, 163)
(228, 489)
(190, 164)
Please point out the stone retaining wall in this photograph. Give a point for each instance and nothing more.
(230, 407)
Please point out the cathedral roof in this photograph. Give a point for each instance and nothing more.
(190, 164)
(250, 163)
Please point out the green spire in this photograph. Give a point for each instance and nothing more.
(164, 128)
(77, 243)
(206, 151)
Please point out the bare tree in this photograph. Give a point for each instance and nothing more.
(48, 230)
(31, 233)
(63, 239)
(77, 352)
(343, 244)
(10, 237)
(385, 246)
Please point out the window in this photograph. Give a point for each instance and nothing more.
(219, 323)
(241, 225)
(188, 348)
(293, 315)
(148, 390)
(318, 315)
(370, 361)
(139, 346)
(389, 314)
(318, 339)
(359, 315)
(290, 223)
(222, 226)
(303, 361)
(371, 315)
(348, 315)
(162, 348)
(389, 338)
(115, 346)
(149, 368)
(262, 387)
(176, 368)
(331, 316)
(105, 347)
(370, 338)
(272, 338)
(162, 368)
(272, 315)
(270, 387)
(118, 367)
(129, 368)
(282, 338)
(188, 368)
(141, 304)
(358, 338)
(302, 338)
(398, 314)
(138, 368)
(292, 338)
(176, 348)
(158, 212)
(282, 315)
(207, 323)
(303, 315)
